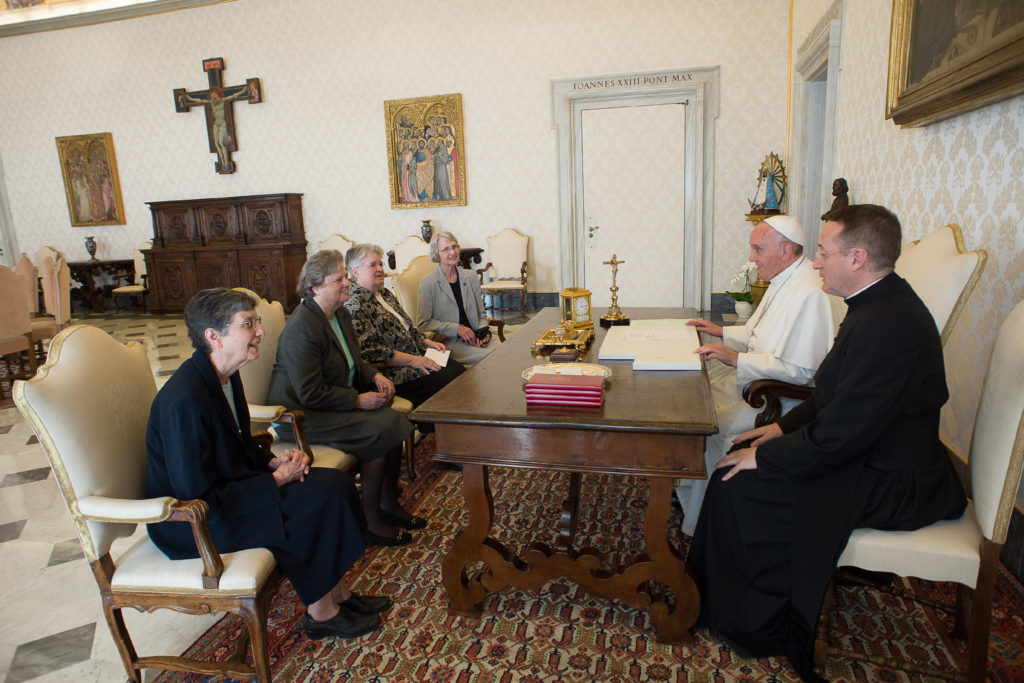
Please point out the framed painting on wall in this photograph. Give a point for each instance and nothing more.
(426, 152)
(947, 57)
(90, 179)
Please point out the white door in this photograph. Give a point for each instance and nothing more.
(633, 181)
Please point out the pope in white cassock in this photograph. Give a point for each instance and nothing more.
(785, 339)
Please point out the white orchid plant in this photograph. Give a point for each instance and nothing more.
(743, 278)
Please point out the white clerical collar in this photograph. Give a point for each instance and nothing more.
(784, 274)
(845, 298)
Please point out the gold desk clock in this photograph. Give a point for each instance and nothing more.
(577, 326)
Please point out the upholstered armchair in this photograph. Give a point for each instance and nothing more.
(506, 267)
(97, 449)
(256, 379)
(15, 328)
(337, 242)
(137, 289)
(941, 271)
(407, 289)
(964, 551)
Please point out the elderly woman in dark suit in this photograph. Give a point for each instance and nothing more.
(346, 401)
(199, 446)
(450, 303)
(387, 334)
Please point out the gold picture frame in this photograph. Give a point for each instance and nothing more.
(949, 58)
(426, 152)
(91, 184)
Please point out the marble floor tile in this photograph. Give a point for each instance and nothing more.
(25, 477)
(11, 530)
(53, 652)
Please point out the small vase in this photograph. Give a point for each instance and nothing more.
(427, 230)
(743, 309)
(90, 246)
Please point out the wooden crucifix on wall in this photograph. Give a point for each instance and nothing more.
(218, 101)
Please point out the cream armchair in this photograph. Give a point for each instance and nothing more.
(97, 449)
(15, 328)
(966, 550)
(138, 289)
(256, 380)
(941, 271)
(337, 242)
(506, 267)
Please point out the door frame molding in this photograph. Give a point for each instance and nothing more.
(696, 87)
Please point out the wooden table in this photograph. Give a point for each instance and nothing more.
(653, 425)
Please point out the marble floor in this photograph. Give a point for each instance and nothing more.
(53, 627)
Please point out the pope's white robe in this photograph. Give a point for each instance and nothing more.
(785, 339)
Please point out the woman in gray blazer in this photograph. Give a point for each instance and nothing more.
(450, 303)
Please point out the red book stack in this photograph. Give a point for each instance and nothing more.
(565, 390)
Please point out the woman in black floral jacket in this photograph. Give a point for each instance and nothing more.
(386, 333)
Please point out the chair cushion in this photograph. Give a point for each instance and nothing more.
(129, 289)
(43, 328)
(944, 551)
(143, 567)
(402, 405)
(502, 284)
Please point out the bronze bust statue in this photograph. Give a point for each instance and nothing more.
(840, 191)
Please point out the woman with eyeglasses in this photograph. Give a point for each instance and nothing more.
(319, 370)
(450, 303)
(199, 445)
(387, 334)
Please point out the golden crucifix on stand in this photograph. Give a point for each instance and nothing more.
(614, 316)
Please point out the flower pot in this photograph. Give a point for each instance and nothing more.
(743, 309)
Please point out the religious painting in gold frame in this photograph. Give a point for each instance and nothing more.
(952, 56)
(91, 184)
(426, 151)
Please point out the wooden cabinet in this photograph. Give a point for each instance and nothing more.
(256, 242)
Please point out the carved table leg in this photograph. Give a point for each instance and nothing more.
(465, 595)
(672, 625)
(567, 521)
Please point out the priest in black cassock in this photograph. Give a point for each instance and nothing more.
(862, 451)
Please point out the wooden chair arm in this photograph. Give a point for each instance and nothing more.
(144, 276)
(481, 271)
(295, 418)
(522, 273)
(500, 324)
(768, 394)
(194, 512)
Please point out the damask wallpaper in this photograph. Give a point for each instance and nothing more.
(327, 68)
(967, 170)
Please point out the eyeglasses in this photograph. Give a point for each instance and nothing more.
(374, 264)
(250, 323)
(450, 249)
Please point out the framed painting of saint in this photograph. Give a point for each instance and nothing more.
(951, 56)
(426, 151)
(90, 179)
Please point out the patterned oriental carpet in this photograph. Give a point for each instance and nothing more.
(561, 633)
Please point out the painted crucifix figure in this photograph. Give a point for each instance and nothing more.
(220, 119)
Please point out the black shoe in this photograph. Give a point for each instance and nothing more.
(400, 538)
(367, 604)
(411, 522)
(344, 624)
